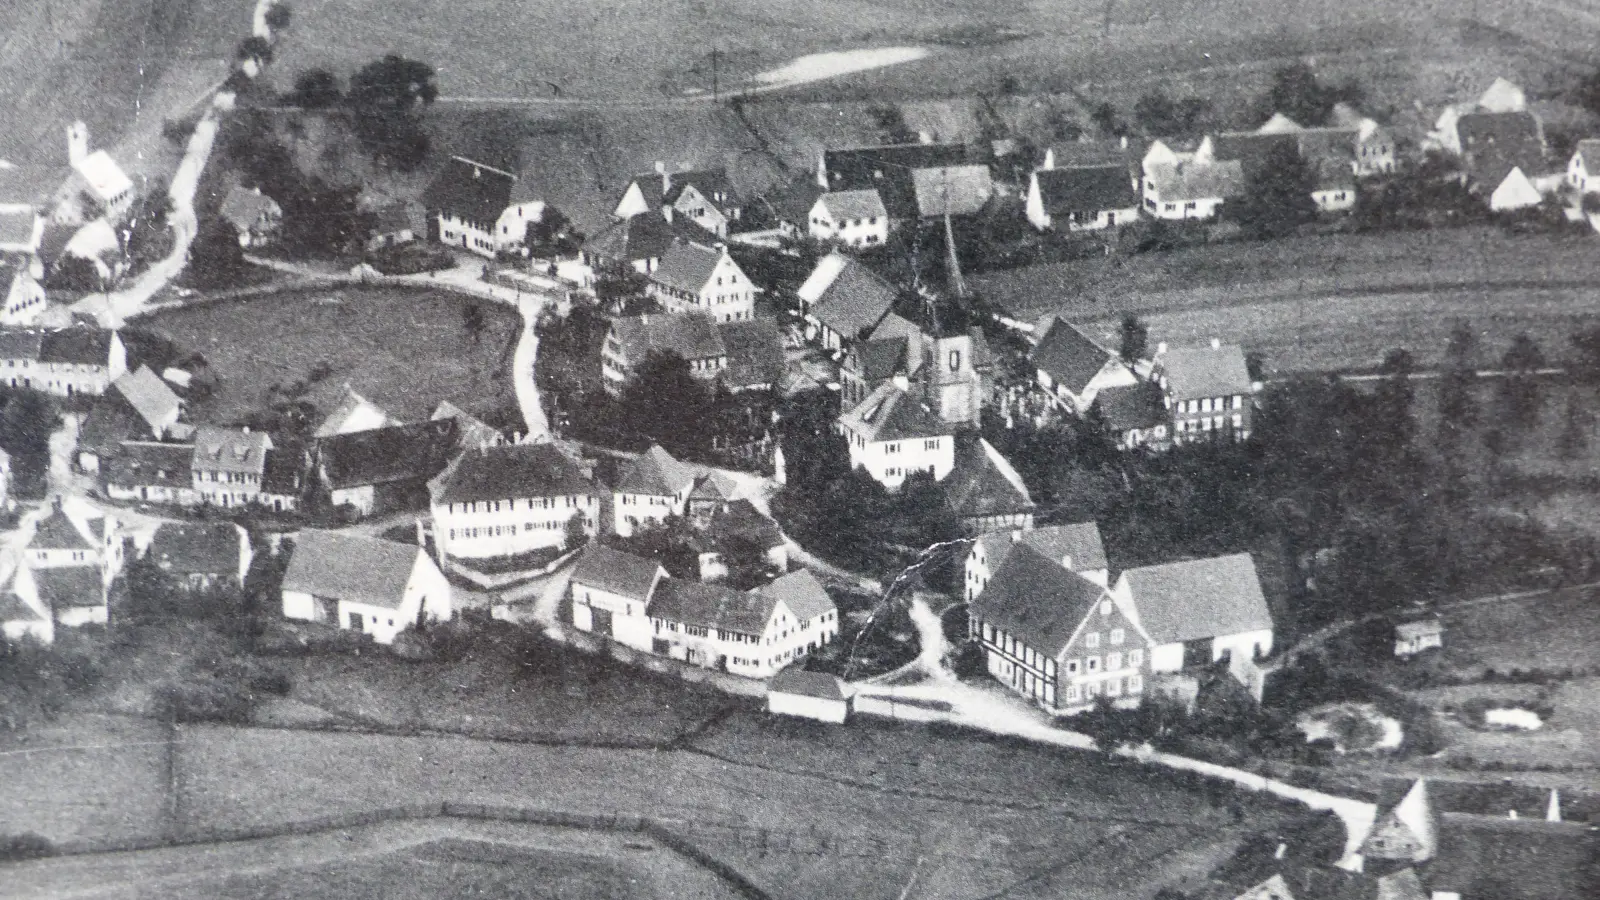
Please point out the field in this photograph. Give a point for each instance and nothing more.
(405, 350)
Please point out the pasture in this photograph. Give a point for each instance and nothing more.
(404, 349)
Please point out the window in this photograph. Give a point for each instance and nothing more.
(1072, 667)
(1113, 661)
(955, 360)
(1072, 693)
(1091, 690)
(1117, 636)
(1135, 658)
(891, 448)
(930, 445)
(1092, 664)
(1092, 640)
(1135, 684)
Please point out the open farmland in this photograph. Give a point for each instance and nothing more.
(404, 349)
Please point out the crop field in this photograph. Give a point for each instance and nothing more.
(404, 349)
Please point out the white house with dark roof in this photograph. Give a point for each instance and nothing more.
(139, 406)
(1081, 198)
(695, 277)
(808, 695)
(469, 205)
(151, 472)
(385, 469)
(1073, 368)
(510, 499)
(754, 634)
(76, 535)
(24, 614)
(1198, 611)
(64, 362)
(21, 228)
(1207, 391)
(705, 197)
(852, 218)
(694, 337)
(1076, 548)
(1583, 167)
(892, 435)
(1191, 189)
(1136, 416)
(651, 488)
(1057, 638)
(363, 584)
(201, 555)
(228, 464)
(76, 595)
(21, 294)
(842, 299)
(610, 591)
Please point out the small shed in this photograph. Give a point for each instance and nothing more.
(1411, 638)
(809, 695)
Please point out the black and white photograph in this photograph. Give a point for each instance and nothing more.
(799, 450)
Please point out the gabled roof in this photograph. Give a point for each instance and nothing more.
(688, 266)
(1253, 150)
(656, 473)
(616, 572)
(343, 566)
(333, 423)
(793, 204)
(81, 345)
(741, 521)
(148, 396)
(1495, 143)
(952, 190)
(891, 414)
(1202, 598)
(151, 463)
(888, 170)
(691, 335)
(641, 238)
(71, 587)
(509, 472)
(198, 548)
(392, 218)
(110, 422)
(1036, 600)
(1071, 358)
(860, 204)
(984, 483)
(1279, 124)
(20, 225)
(895, 325)
(1185, 181)
(1073, 154)
(244, 208)
(802, 593)
(1589, 149)
(19, 594)
(102, 174)
(1130, 406)
(1085, 189)
(471, 191)
(474, 431)
(1514, 859)
(846, 296)
(383, 455)
(795, 680)
(715, 486)
(755, 353)
(20, 343)
(879, 359)
(711, 606)
(709, 183)
(229, 449)
(1078, 544)
(1198, 372)
(1503, 96)
(58, 531)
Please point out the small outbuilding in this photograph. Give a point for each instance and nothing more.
(808, 695)
(1411, 638)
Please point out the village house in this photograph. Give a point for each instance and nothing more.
(481, 208)
(842, 300)
(714, 493)
(610, 591)
(76, 535)
(363, 584)
(354, 413)
(1089, 198)
(283, 483)
(201, 555)
(1198, 612)
(21, 228)
(753, 634)
(892, 434)
(1191, 189)
(736, 527)
(695, 277)
(228, 464)
(255, 216)
(852, 218)
(1501, 97)
(693, 337)
(1207, 391)
(1583, 167)
(1411, 638)
(808, 695)
(77, 596)
(705, 197)
(98, 187)
(1135, 416)
(1073, 369)
(390, 226)
(651, 488)
(1076, 548)
(1085, 153)
(637, 244)
(138, 407)
(1056, 637)
(23, 295)
(951, 190)
(888, 170)
(893, 348)
(23, 612)
(383, 469)
(151, 472)
(509, 500)
(65, 362)
(1503, 159)
(1368, 145)
(984, 491)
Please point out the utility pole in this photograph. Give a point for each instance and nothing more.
(714, 85)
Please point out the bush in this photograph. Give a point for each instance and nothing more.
(17, 847)
(203, 699)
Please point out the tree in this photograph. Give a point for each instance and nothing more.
(1520, 397)
(148, 236)
(215, 258)
(255, 47)
(1156, 113)
(551, 235)
(1106, 118)
(75, 273)
(1135, 338)
(315, 89)
(472, 321)
(666, 404)
(1395, 426)
(1296, 93)
(575, 534)
(1457, 411)
(278, 15)
(892, 122)
(1277, 197)
(383, 97)
(1575, 426)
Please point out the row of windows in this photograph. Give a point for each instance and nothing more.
(1133, 684)
(486, 506)
(847, 223)
(894, 447)
(507, 530)
(897, 472)
(229, 477)
(1212, 423)
(1113, 662)
(1092, 639)
(1210, 404)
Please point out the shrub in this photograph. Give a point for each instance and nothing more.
(203, 699)
(15, 847)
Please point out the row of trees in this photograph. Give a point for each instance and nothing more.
(319, 219)
(384, 100)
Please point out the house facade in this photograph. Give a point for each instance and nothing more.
(1088, 198)
(383, 469)
(808, 695)
(842, 299)
(467, 204)
(152, 472)
(650, 489)
(24, 300)
(1073, 369)
(610, 591)
(853, 218)
(1076, 548)
(1583, 167)
(65, 362)
(754, 634)
(695, 277)
(695, 337)
(892, 434)
(511, 499)
(1207, 391)
(1191, 189)
(1198, 612)
(372, 586)
(227, 465)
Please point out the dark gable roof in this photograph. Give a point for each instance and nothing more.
(741, 521)
(57, 532)
(84, 346)
(197, 548)
(793, 204)
(71, 586)
(150, 463)
(642, 238)
(711, 606)
(1496, 143)
(1036, 600)
(984, 483)
(1252, 149)
(875, 360)
(1202, 598)
(888, 170)
(687, 266)
(471, 191)
(656, 473)
(1514, 859)
(1069, 356)
(20, 343)
(795, 680)
(710, 183)
(382, 455)
(616, 572)
(690, 335)
(1126, 407)
(891, 414)
(1198, 372)
(1087, 189)
(856, 299)
(281, 473)
(755, 353)
(349, 567)
(110, 422)
(1078, 543)
(512, 471)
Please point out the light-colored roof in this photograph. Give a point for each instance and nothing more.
(1419, 628)
(348, 408)
(244, 207)
(94, 240)
(891, 414)
(1279, 124)
(802, 593)
(348, 567)
(1195, 373)
(148, 395)
(102, 174)
(616, 572)
(511, 471)
(1184, 181)
(952, 190)
(1202, 598)
(21, 226)
(656, 473)
(687, 266)
(1078, 544)
(795, 680)
(842, 205)
(715, 485)
(229, 450)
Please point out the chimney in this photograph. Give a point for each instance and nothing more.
(1124, 142)
(1161, 348)
(902, 382)
(1216, 343)
(666, 177)
(77, 142)
(1512, 814)
(1282, 848)
(246, 429)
